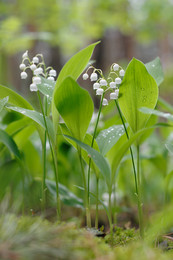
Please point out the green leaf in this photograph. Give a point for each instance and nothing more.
(124, 148)
(75, 106)
(14, 98)
(8, 141)
(67, 197)
(98, 159)
(36, 117)
(138, 89)
(46, 87)
(148, 111)
(73, 68)
(3, 102)
(107, 138)
(154, 67)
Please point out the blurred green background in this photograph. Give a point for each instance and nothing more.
(59, 28)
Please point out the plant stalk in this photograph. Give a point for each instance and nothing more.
(88, 217)
(53, 153)
(92, 143)
(97, 202)
(140, 211)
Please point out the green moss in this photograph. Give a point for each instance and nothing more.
(121, 236)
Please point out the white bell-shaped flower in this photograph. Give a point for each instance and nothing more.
(22, 66)
(118, 80)
(33, 87)
(38, 71)
(23, 75)
(51, 78)
(85, 76)
(112, 84)
(103, 82)
(114, 95)
(93, 76)
(52, 73)
(99, 91)
(33, 67)
(116, 67)
(37, 80)
(96, 85)
(122, 73)
(35, 60)
(105, 102)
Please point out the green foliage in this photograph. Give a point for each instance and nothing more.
(98, 159)
(154, 68)
(9, 142)
(75, 106)
(138, 89)
(73, 68)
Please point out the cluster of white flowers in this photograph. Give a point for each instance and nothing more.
(38, 68)
(102, 85)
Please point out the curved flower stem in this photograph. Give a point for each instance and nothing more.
(92, 143)
(53, 153)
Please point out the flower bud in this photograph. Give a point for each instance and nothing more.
(99, 91)
(115, 67)
(25, 55)
(85, 76)
(103, 82)
(22, 66)
(37, 80)
(118, 80)
(93, 76)
(52, 73)
(105, 102)
(23, 75)
(35, 60)
(96, 85)
(33, 87)
(122, 73)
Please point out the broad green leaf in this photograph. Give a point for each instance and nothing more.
(148, 111)
(8, 141)
(73, 68)
(98, 159)
(154, 67)
(3, 102)
(107, 138)
(16, 126)
(138, 89)
(75, 106)
(14, 98)
(67, 197)
(46, 87)
(36, 117)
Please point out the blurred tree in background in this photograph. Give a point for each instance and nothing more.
(59, 28)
